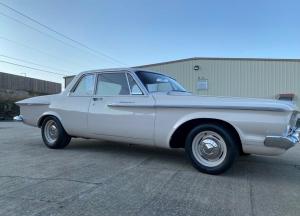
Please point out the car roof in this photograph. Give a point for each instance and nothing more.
(108, 70)
(131, 70)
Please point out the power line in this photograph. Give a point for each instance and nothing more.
(40, 51)
(29, 62)
(64, 36)
(41, 32)
(37, 30)
(32, 68)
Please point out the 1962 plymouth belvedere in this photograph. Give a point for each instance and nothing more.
(142, 107)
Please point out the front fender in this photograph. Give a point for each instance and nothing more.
(196, 116)
(251, 125)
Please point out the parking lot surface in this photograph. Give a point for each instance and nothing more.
(92, 177)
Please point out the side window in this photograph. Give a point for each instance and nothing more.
(160, 87)
(85, 86)
(134, 88)
(112, 84)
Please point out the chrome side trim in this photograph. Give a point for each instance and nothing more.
(33, 104)
(18, 118)
(199, 107)
(224, 107)
(122, 104)
(283, 142)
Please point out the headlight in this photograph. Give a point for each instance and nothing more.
(293, 122)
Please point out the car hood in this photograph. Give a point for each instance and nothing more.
(188, 100)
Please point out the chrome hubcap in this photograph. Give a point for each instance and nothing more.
(209, 148)
(51, 132)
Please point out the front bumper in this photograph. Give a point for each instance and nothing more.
(283, 142)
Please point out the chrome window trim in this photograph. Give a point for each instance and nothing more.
(138, 82)
(112, 72)
(128, 74)
(70, 93)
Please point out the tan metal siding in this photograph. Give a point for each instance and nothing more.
(244, 78)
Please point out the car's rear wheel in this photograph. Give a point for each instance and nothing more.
(53, 133)
(211, 148)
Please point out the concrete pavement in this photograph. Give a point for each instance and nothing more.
(93, 177)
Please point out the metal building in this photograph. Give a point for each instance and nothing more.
(242, 77)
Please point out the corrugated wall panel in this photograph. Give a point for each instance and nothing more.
(245, 78)
(14, 82)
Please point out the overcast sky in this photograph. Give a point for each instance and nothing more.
(140, 32)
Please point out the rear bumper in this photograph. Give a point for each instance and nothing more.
(283, 142)
(18, 118)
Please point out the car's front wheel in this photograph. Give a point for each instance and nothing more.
(53, 133)
(211, 148)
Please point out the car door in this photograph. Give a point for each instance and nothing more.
(120, 108)
(76, 105)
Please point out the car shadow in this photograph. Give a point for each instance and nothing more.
(156, 156)
(257, 166)
(108, 146)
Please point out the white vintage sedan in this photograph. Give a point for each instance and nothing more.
(143, 107)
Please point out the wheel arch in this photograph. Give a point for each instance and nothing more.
(45, 115)
(178, 137)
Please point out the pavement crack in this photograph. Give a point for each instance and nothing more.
(52, 179)
(250, 194)
(123, 171)
(31, 199)
(158, 193)
(268, 163)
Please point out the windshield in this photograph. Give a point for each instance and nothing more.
(155, 82)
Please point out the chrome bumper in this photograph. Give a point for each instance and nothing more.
(18, 118)
(283, 142)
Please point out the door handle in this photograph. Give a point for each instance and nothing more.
(97, 99)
